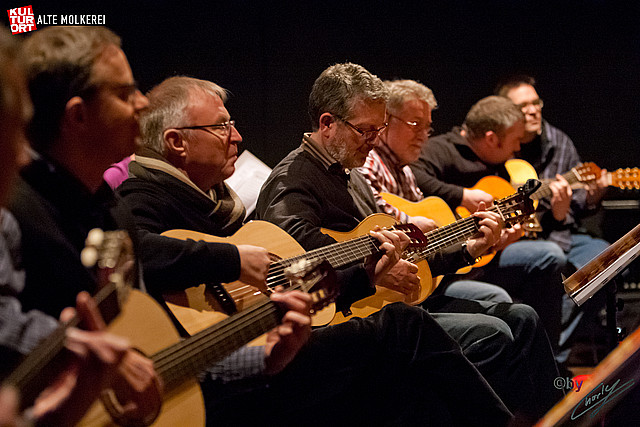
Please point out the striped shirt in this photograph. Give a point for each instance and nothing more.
(384, 174)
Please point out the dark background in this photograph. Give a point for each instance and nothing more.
(585, 56)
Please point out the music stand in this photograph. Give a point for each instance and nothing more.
(584, 283)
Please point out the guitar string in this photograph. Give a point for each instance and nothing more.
(331, 253)
(164, 361)
(46, 351)
(464, 227)
(171, 362)
(191, 356)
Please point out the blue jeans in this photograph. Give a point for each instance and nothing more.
(529, 270)
(508, 345)
(479, 291)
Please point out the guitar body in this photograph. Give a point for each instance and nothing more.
(520, 171)
(431, 207)
(144, 322)
(383, 296)
(499, 188)
(493, 185)
(196, 309)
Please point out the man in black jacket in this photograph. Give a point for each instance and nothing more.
(369, 369)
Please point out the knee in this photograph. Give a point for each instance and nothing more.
(522, 319)
(549, 257)
(488, 335)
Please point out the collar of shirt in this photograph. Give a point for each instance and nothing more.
(322, 155)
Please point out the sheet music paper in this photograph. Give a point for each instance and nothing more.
(248, 178)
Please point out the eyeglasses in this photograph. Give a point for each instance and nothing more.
(536, 103)
(368, 135)
(224, 127)
(415, 126)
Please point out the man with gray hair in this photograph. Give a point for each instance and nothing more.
(409, 111)
(178, 183)
(450, 164)
(318, 186)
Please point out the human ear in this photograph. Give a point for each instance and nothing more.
(492, 139)
(327, 124)
(75, 112)
(174, 142)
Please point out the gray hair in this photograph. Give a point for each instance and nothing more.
(339, 87)
(401, 91)
(58, 65)
(168, 104)
(493, 113)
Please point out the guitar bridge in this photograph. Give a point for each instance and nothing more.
(221, 295)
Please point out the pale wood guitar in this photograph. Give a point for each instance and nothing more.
(514, 208)
(201, 306)
(110, 253)
(145, 323)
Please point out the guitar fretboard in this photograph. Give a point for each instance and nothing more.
(193, 355)
(545, 191)
(338, 255)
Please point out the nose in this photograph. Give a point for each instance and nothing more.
(140, 101)
(234, 136)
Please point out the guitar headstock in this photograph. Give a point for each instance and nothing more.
(110, 254)
(417, 239)
(315, 275)
(587, 172)
(518, 206)
(626, 179)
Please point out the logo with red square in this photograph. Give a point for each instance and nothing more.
(22, 19)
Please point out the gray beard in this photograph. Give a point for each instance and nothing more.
(338, 150)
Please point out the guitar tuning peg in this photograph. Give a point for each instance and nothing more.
(89, 256)
(95, 237)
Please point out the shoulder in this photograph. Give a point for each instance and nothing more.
(555, 135)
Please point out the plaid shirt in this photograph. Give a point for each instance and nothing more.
(550, 154)
(384, 173)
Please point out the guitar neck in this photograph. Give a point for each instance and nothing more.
(193, 355)
(446, 236)
(43, 363)
(545, 191)
(338, 255)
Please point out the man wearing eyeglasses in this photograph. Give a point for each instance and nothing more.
(316, 186)
(452, 163)
(357, 370)
(552, 153)
(409, 113)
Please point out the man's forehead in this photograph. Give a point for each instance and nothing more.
(111, 66)
(368, 109)
(416, 106)
(201, 102)
(524, 92)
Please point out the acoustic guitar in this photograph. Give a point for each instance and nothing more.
(519, 171)
(513, 209)
(111, 254)
(145, 323)
(198, 307)
(431, 207)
